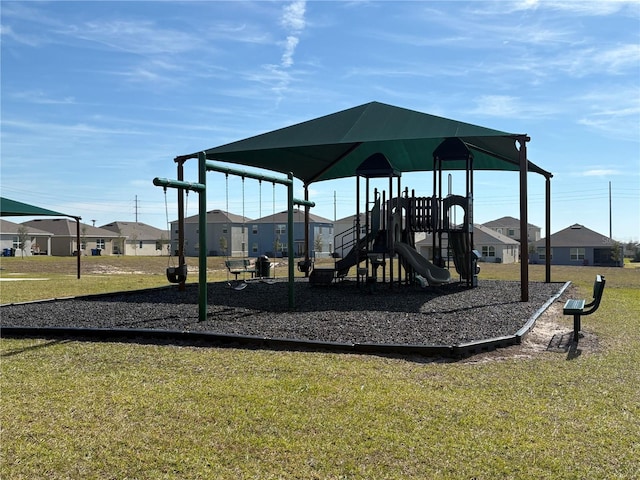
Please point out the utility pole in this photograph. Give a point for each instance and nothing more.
(334, 206)
(610, 224)
(136, 207)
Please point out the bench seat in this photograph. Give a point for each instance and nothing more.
(579, 307)
(238, 266)
(573, 306)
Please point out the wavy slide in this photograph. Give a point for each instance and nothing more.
(434, 275)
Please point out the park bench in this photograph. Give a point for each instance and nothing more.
(578, 308)
(241, 265)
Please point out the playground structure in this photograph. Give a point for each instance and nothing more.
(333, 146)
(390, 227)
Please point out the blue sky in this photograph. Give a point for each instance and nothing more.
(99, 97)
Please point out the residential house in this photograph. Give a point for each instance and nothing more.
(578, 245)
(345, 233)
(93, 240)
(226, 234)
(510, 227)
(268, 235)
(493, 246)
(38, 242)
(136, 238)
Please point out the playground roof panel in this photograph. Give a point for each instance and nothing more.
(13, 208)
(333, 146)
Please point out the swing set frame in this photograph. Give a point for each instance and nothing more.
(200, 187)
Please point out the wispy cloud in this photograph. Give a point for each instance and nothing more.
(507, 106)
(41, 98)
(614, 112)
(138, 37)
(294, 22)
(589, 8)
(601, 172)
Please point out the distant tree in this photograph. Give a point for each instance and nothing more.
(83, 240)
(630, 249)
(23, 238)
(616, 252)
(121, 242)
(317, 243)
(134, 239)
(277, 245)
(223, 245)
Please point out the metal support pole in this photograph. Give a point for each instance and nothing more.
(202, 239)
(290, 199)
(547, 228)
(181, 260)
(524, 221)
(306, 231)
(78, 242)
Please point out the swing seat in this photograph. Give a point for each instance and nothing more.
(177, 274)
(237, 285)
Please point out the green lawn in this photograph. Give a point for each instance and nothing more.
(72, 409)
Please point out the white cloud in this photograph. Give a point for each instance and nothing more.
(293, 16)
(143, 38)
(507, 106)
(600, 172)
(41, 98)
(293, 20)
(290, 47)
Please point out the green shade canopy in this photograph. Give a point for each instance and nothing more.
(13, 208)
(334, 146)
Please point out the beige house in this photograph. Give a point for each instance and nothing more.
(93, 240)
(510, 227)
(136, 238)
(493, 246)
(37, 242)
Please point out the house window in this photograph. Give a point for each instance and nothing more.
(281, 229)
(254, 248)
(511, 232)
(158, 245)
(16, 243)
(224, 228)
(100, 243)
(140, 244)
(577, 254)
(254, 229)
(488, 251)
(499, 230)
(542, 253)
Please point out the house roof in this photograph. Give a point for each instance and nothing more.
(352, 218)
(506, 222)
(62, 227)
(334, 146)
(219, 216)
(298, 217)
(10, 228)
(481, 236)
(576, 236)
(137, 230)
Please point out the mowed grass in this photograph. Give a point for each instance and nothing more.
(71, 409)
